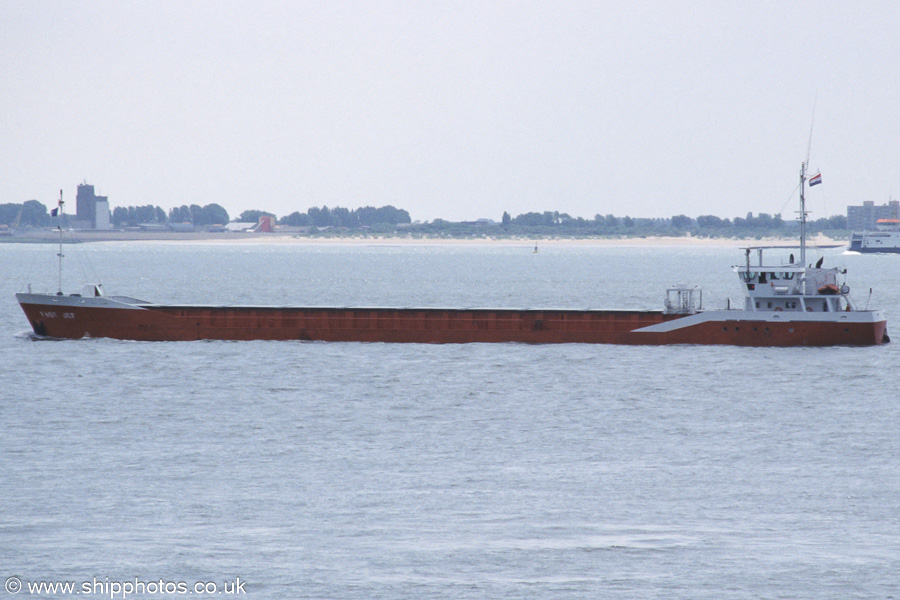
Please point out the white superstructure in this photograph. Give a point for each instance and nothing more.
(884, 239)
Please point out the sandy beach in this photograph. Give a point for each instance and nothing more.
(290, 238)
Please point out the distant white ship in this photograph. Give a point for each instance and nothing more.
(884, 239)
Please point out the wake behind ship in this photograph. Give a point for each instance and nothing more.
(788, 303)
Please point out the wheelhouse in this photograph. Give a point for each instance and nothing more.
(791, 286)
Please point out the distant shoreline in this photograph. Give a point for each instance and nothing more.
(382, 240)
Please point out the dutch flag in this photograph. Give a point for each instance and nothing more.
(815, 179)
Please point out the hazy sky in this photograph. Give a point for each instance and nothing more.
(454, 110)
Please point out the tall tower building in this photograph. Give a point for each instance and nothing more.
(91, 211)
(84, 204)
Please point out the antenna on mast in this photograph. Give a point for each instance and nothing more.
(59, 213)
(803, 168)
(802, 216)
(811, 123)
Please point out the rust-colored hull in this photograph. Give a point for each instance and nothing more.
(436, 325)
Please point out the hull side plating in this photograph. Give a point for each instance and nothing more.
(436, 325)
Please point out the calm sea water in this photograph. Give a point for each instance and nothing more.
(313, 470)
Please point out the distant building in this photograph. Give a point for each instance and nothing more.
(860, 218)
(239, 226)
(266, 224)
(91, 211)
(101, 213)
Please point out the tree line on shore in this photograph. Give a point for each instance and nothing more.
(386, 218)
(28, 214)
(34, 214)
(761, 224)
(199, 216)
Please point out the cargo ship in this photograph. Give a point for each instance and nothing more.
(788, 303)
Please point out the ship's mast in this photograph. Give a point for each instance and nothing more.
(59, 212)
(802, 214)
